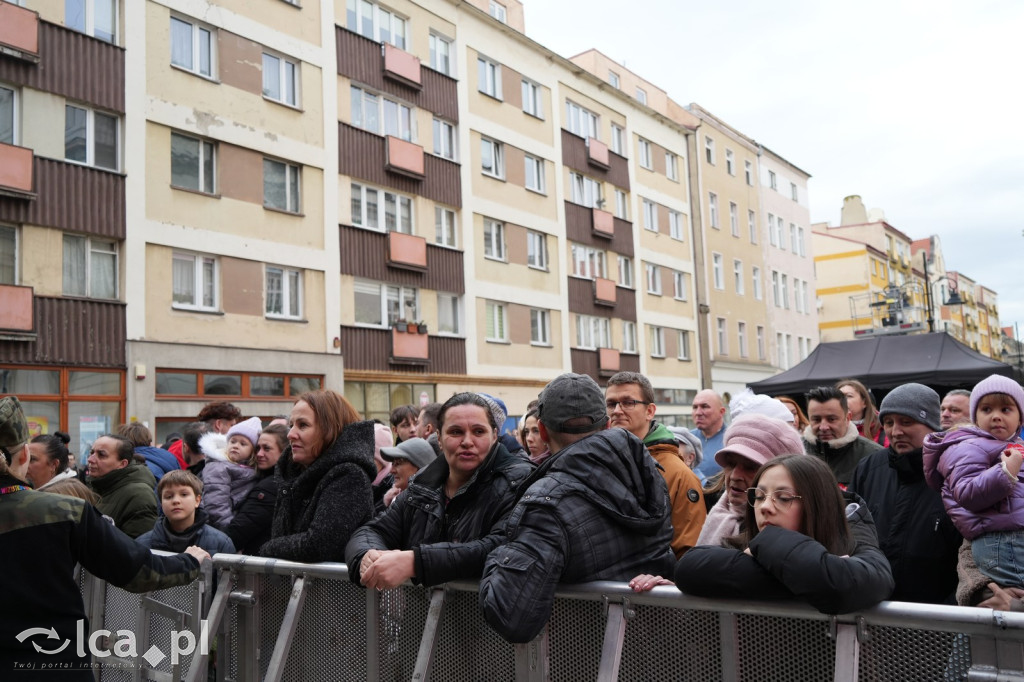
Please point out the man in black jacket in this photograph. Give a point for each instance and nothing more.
(597, 509)
(914, 531)
(832, 435)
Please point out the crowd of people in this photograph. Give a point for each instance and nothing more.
(843, 506)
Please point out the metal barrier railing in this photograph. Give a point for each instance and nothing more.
(280, 620)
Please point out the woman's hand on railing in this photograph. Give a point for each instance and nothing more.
(1004, 598)
(645, 582)
(389, 569)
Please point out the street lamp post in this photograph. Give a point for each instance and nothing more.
(954, 293)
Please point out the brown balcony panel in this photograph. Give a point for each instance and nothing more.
(405, 158)
(577, 155)
(72, 331)
(598, 153)
(604, 224)
(582, 300)
(361, 256)
(604, 292)
(407, 251)
(16, 312)
(579, 227)
(16, 171)
(588, 362)
(409, 348)
(19, 32)
(401, 66)
(608, 361)
(367, 349)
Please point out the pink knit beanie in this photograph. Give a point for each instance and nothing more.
(759, 439)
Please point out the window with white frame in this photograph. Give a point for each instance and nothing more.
(683, 342)
(780, 226)
(8, 115)
(713, 209)
(444, 139)
(449, 314)
(284, 292)
(762, 352)
(540, 327)
(641, 95)
(657, 341)
(730, 162)
(89, 267)
(771, 230)
(772, 180)
(193, 164)
(194, 281)
(675, 225)
(8, 255)
(593, 332)
(650, 215)
(621, 205)
(800, 240)
(653, 278)
(492, 158)
(776, 291)
(381, 115)
(618, 139)
(381, 210)
(193, 47)
(717, 271)
(679, 285)
(625, 272)
(445, 228)
(496, 322)
(741, 338)
(488, 77)
(782, 341)
(97, 18)
(589, 262)
(537, 250)
(723, 336)
(535, 174)
(671, 166)
(784, 289)
(734, 219)
(494, 239)
(797, 304)
(498, 11)
(643, 149)
(533, 99)
(709, 150)
(755, 276)
(281, 186)
(381, 305)
(90, 137)
(793, 192)
(613, 79)
(737, 275)
(628, 336)
(584, 190)
(752, 226)
(580, 121)
(442, 54)
(793, 246)
(375, 22)
(280, 79)
(748, 171)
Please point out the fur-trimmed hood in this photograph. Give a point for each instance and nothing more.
(835, 444)
(214, 445)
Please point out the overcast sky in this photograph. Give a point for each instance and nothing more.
(915, 106)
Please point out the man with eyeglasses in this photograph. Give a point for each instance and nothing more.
(629, 398)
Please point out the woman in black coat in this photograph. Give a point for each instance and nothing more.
(250, 527)
(442, 527)
(801, 541)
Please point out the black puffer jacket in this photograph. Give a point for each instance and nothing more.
(784, 564)
(320, 506)
(250, 527)
(448, 543)
(914, 530)
(596, 510)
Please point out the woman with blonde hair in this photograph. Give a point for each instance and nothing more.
(800, 420)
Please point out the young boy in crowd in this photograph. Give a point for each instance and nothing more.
(184, 523)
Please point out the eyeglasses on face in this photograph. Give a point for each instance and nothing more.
(627, 404)
(780, 498)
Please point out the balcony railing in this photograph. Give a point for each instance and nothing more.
(19, 32)
(401, 66)
(405, 158)
(16, 171)
(407, 251)
(409, 346)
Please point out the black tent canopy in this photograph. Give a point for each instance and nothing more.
(885, 362)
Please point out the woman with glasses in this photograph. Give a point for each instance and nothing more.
(802, 539)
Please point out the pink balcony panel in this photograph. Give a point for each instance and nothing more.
(608, 360)
(409, 348)
(597, 153)
(16, 308)
(19, 32)
(604, 223)
(401, 66)
(407, 251)
(15, 170)
(604, 291)
(405, 158)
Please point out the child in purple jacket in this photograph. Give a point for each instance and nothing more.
(977, 469)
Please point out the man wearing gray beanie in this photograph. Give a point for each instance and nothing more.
(914, 531)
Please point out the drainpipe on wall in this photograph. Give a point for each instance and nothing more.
(699, 270)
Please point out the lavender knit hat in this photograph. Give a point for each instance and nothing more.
(250, 429)
(759, 439)
(997, 384)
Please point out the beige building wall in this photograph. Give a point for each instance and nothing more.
(844, 270)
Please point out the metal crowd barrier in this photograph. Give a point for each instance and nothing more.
(280, 620)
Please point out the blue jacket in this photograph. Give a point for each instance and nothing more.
(158, 460)
(199, 533)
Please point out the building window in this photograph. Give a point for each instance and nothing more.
(580, 121)
(444, 139)
(494, 239)
(723, 336)
(780, 225)
(488, 77)
(625, 272)
(618, 139)
(588, 262)
(734, 219)
(585, 191)
(613, 79)
(653, 279)
(368, 203)
(449, 314)
(89, 267)
(280, 80)
(782, 341)
(641, 95)
(8, 255)
(709, 150)
(683, 341)
(800, 240)
(675, 225)
(537, 250)
(628, 336)
(372, 21)
(752, 226)
(793, 192)
(90, 137)
(194, 281)
(8, 115)
(441, 54)
(771, 230)
(492, 158)
(716, 270)
(761, 351)
(657, 342)
(381, 305)
(672, 166)
(741, 337)
(772, 180)
(188, 383)
(650, 215)
(755, 276)
(784, 289)
(713, 209)
(284, 292)
(776, 292)
(679, 285)
(592, 332)
(737, 276)
(533, 99)
(193, 47)
(193, 164)
(535, 174)
(497, 327)
(730, 162)
(644, 153)
(281, 187)
(793, 245)
(748, 171)
(540, 327)
(381, 115)
(621, 210)
(445, 229)
(97, 18)
(498, 11)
